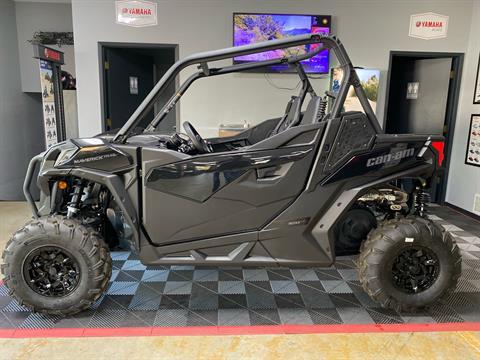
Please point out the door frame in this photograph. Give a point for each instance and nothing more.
(452, 100)
(102, 45)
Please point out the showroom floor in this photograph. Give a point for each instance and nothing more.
(186, 300)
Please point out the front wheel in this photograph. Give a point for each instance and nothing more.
(56, 266)
(409, 263)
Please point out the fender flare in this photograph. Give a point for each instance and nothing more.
(323, 230)
(112, 182)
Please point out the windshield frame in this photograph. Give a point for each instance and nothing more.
(202, 61)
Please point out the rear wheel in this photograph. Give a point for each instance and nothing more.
(409, 263)
(352, 229)
(56, 265)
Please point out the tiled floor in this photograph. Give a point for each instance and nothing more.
(458, 219)
(140, 296)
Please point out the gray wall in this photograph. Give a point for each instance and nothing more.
(21, 133)
(369, 29)
(464, 180)
(32, 17)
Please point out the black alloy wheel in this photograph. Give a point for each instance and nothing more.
(415, 269)
(51, 271)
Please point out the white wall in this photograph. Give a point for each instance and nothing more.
(32, 17)
(369, 30)
(464, 180)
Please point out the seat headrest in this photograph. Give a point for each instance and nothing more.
(314, 111)
(292, 115)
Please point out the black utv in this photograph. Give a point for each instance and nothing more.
(297, 190)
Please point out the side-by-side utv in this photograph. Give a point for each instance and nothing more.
(297, 190)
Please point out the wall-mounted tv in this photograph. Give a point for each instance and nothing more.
(250, 28)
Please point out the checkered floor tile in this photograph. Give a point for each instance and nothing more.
(148, 296)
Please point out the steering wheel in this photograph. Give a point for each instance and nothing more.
(197, 141)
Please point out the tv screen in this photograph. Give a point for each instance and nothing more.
(253, 28)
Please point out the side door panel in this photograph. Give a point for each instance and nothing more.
(217, 194)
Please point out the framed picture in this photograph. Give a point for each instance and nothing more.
(476, 94)
(473, 145)
(369, 79)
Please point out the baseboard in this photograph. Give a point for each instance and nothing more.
(463, 211)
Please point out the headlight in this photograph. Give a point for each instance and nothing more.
(66, 154)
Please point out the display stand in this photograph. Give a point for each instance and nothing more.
(50, 61)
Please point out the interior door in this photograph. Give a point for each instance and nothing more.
(422, 109)
(427, 113)
(419, 95)
(219, 194)
(129, 77)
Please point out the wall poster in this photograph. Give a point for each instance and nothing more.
(48, 103)
(473, 146)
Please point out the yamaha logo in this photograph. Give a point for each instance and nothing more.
(388, 158)
(429, 24)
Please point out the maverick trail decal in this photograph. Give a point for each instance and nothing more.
(95, 158)
(385, 159)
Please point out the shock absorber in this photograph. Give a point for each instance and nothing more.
(422, 199)
(322, 109)
(73, 206)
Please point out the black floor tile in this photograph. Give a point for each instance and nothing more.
(264, 317)
(289, 301)
(277, 296)
(202, 318)
(180, 275)
(232, 301)
(175, 302)
(230, 275)
(279, 274)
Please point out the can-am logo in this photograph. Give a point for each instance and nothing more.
(392, 157)
(428, 26)
(136, 13)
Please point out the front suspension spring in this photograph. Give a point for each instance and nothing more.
(422, 200)
(73, 206)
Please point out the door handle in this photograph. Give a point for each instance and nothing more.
(271, 173)
(266, 172)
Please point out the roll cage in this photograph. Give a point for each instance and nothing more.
(203, 59)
